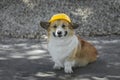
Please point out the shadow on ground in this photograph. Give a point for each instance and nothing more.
(28, 59)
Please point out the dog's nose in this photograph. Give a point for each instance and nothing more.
(59, 32)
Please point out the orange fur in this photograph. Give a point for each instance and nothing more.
(84, 53)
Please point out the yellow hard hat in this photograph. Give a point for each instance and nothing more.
(60, 16)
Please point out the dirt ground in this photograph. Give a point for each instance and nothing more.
(28, 59)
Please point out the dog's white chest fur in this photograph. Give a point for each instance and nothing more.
(61, 48)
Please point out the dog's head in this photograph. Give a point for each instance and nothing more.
(59, 26)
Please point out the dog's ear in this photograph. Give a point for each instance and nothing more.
(44, 25)
(75, 25)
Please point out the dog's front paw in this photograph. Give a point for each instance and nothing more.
(68, 66)
(56, 67)
(68, 70)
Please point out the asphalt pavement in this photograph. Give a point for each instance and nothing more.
(28, 59)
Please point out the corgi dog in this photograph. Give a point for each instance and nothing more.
(66, 49)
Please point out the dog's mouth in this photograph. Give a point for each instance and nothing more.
(60, 35)
(65, 33)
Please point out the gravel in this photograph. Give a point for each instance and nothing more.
(20, 18)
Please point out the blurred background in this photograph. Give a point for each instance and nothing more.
(21, 18)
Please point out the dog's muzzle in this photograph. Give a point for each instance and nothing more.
(60, 34)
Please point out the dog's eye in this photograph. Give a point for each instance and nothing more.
(63, 26)
(55, 26)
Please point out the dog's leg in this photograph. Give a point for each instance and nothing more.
(68, 66)
(57, 65)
